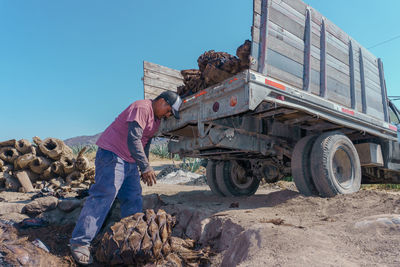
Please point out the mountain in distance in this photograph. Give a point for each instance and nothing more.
(82, 140)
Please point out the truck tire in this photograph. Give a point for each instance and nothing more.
(233, 181)
(335, 165)
(211, 180)
(301, 172)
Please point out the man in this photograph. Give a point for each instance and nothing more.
(123, 147)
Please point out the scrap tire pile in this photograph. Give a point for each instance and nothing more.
(47, 163)
(214, 67)
(146, 238)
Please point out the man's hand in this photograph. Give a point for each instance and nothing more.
(149, 178)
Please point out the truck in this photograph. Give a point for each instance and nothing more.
(312, 105)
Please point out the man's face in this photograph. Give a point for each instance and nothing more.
(162, 109)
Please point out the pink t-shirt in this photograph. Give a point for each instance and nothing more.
(115, 137)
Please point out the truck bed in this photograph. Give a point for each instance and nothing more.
(304, 70)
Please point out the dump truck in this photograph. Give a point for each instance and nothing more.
(312, 105)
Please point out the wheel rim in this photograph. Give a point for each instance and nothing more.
(342, 166)
(239, 177)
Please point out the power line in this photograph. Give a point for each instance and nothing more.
(384, 42)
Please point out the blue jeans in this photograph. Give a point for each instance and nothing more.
(114, 178)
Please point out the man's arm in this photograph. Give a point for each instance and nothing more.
(147, 148)
(135, 147)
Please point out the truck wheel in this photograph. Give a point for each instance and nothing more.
(301, 166)
(232, 179)
(335, 165)
(211, 180)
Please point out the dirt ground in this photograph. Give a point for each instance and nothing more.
(275, 227)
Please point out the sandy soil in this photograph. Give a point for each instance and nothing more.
(275, 227)
(281, 227)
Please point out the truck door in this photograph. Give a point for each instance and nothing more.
(393, 147)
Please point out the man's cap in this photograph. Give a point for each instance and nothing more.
(174, 100)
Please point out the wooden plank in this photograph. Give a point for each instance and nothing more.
(315, 82)
(282, 34)
(285, 49)
(286, 23)
(338, 65)
(297, 5)
(337, 42)
(374, 99)
(337, 53)
(256, 20)
(255, 34)
(337, 75)
(284, 63)
(368, 75)
(338, 92)
(161, 69)
(358, 99)
(316, 17)
(371, 84)
(288, 11)
(315, 40)
(155, 91)
(315, 64)
(163, 78)
(375, 113)
(160, 84)
(284, 77)
(257, 6)
(337, 32)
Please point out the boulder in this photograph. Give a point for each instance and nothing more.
(40, 205)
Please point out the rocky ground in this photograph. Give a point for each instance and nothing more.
(276, 226)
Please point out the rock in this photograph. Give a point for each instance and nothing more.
(70, 204)
(68, 164)
(8, 154)
(10, 143)
(39, 164)
(23, 161)
(24, 146)
(25, 178)
(54, 148)
(11, 183)
(7, 208)
(15, 217)
(59, 217)
(40, 205)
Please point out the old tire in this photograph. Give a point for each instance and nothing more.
(301, 166)
(211, 179)
(335, 165)
(233, 181)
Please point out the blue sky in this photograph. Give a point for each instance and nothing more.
(69, 67)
